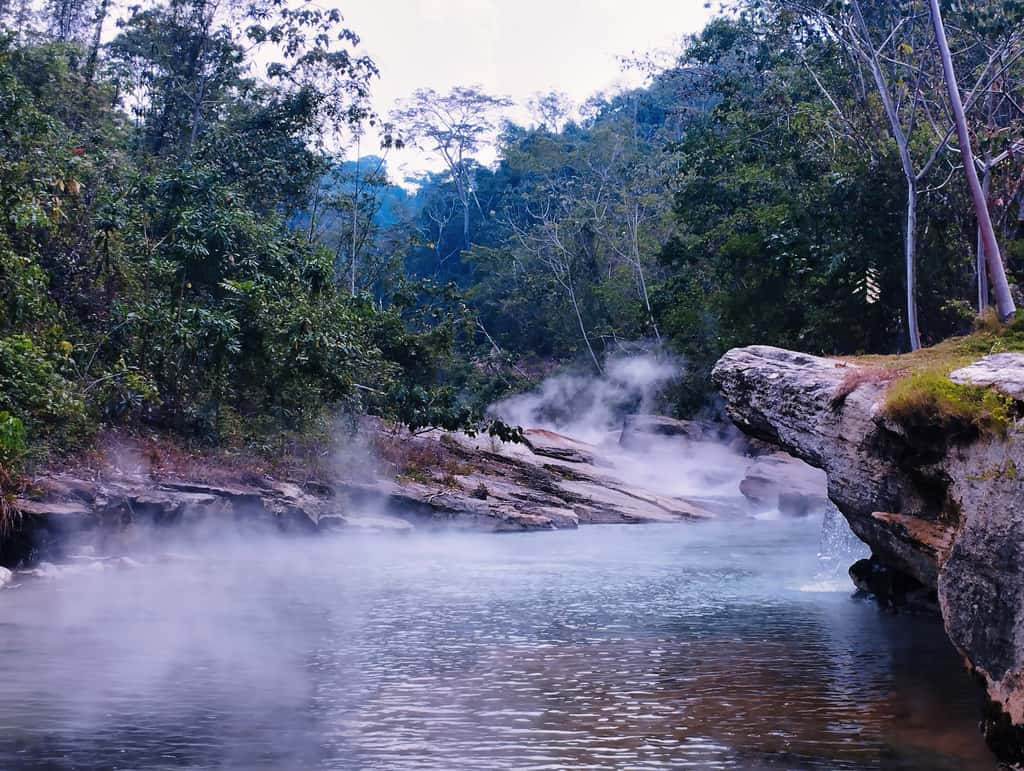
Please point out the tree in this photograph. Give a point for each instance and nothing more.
(550, 110)
(453, 126)
(890, 41)
(997, 275)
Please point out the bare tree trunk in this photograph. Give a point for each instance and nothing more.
(910, 263)
(355, 222)
(635, 237)
(197, 114)
(97, 37)
(997, 275)
(583, 328)
(903, 145)
(986, 182)
(313, 208)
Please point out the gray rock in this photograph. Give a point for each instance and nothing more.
(61, 509)
(637, 430)
(555, 481)
(785, 482)
(950, 516)
(1002, 371)
(328, 523)
(6, 576)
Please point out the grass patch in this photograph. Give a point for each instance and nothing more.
(988, 337)
(927, 404)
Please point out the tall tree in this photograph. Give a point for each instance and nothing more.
(997, 274)
(454, 126)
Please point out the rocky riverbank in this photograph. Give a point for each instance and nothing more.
(944, 516)
(397, 482)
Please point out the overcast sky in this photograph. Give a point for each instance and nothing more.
(510, 47)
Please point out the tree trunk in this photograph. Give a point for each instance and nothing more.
(986, 182)
(635, 237)
(355, 222)
(583, 328)
(97, 38)
(997, 275)
(910, 263)
(902, 144)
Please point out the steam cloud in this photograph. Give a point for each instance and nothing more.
(588, 408)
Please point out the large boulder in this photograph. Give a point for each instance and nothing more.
(551, 481)
(780, 481)
(72, 511)
(948, 515)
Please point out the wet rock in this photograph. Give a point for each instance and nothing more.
(54, 509)
(548, 444)
(109, 508)
(779, 480)
(378, 523)
(950, 516)
(553, 482)
(329, 523)
(637, 430)
(892, 589)
(49, 571)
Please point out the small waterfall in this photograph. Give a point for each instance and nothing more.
(838, 548)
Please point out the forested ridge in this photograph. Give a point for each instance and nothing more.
(198, 237)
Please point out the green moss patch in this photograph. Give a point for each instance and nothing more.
(927, 404)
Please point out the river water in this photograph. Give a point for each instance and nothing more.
(665, 646)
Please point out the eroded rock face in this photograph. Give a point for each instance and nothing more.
(637, 428)
(551, 481)
(949, 516)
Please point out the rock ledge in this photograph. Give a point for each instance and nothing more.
(949, 517)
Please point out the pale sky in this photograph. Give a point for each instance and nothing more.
(510, 47)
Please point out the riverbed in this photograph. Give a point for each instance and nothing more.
(725, 645)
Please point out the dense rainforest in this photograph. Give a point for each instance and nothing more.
(198, 238)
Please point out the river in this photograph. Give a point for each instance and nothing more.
(665, 646)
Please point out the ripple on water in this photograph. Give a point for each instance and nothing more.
(645, 648)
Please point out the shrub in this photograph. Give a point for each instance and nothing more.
(35, 392)
(12, 440)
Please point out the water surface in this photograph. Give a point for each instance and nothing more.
(667, 646)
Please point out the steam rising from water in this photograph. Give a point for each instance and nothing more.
(644, 647)
(587, 407)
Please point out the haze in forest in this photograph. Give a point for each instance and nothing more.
(515, 49)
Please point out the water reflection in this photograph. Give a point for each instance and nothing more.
(632, 647)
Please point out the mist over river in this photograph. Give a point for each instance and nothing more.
(716, 645)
